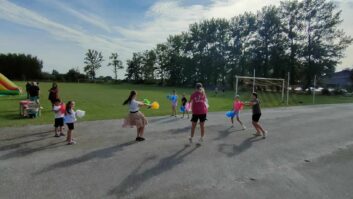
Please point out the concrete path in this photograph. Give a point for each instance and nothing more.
(308, 154)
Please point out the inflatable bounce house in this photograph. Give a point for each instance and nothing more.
(7, 87)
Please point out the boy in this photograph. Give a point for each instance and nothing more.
(59, 117)
(256, 114)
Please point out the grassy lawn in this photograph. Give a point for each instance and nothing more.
(104, 101)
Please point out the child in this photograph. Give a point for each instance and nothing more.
(237, 107)
(59, 117)
(135, 118)
(256, 111)
(174, 99)
(183, 102)
(70, 119)
(199, 111)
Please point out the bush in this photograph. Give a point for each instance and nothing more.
(325, 91)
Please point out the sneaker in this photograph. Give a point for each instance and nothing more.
(142, 139)
(201, 140)
(257, 134)
(71, 143)
(56, 135)
(190, 140)
(62, 134)
(244, 127)
(264, 135)
(138, 139)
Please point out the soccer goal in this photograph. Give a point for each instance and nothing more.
(260, 84)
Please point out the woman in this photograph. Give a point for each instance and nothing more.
(135, 117)
(53, 93)
(198, 103)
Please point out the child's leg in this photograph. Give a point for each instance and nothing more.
(56, 130)
(260, 128)
(202, 127)
(232, 120)
(193, 126)
(142, 130)
(69, 136)
(241, 123)
(256, 127)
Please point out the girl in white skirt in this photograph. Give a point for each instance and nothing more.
(135, 118)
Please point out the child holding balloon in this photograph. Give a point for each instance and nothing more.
(59, 110)
(174, 99)
(237, 107)
(70, 119)
(184, 107)
(135, 117)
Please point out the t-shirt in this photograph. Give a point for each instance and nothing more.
(198, 100)
(237, 106)
(174, 99)
(70, 117)
(58, 112)
(256, 107)
(184, 100)
(133, 106)
(34, 91)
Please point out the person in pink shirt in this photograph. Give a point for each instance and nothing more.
(198, 102)
(237, 107)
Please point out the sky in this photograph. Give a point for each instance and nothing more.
(60, 32)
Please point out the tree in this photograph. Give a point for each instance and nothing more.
(74, 75)
(324, 42)
(116, 63)
(134, 68)
(93, 61)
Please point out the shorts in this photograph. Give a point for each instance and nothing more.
(236, 114)
(174, 104)
(202, 118)
(59, 122)
(71, 126)
(256, 117)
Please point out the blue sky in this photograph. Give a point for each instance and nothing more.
(60, 32)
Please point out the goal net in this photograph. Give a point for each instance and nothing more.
(270, 90)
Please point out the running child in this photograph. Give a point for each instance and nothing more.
(174, 99)
(237, 107)
(183, 102)
(199, 111)
(256, 114)
(59, 117)
(70, 119)
(135, 117)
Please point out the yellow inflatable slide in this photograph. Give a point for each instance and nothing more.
(7, 87)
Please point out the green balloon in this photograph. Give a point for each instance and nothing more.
(146, 101)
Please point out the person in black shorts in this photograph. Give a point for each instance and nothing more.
(256, 114)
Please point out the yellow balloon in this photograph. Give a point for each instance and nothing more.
(155, 105)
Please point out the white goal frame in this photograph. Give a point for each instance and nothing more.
(254, 83)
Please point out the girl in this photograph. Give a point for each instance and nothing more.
(70, 119)
(199, 111)
(237, 107)
(135, 118)
(256, 114)
(174, 99)
(183, 102)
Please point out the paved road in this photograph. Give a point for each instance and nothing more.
(308, 154)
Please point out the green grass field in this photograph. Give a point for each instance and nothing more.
(104, 101)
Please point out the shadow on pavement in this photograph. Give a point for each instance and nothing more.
(225, 133)
(101, 153)
(237, 149)
(39, 134)
(135, 180)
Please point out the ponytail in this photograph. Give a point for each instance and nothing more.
(128, 100)
(68, 107)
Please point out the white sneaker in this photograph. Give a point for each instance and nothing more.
(244, 127)
(201, 140)
(265, 135)
(190, 140)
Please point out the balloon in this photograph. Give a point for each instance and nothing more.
(230, 114)
(80, 113)
(182, 109)
(188, 106)
(155, 105)
(147, 102)
(62, 108)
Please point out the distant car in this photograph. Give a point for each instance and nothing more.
(319, 89)
(298, 89)
(331, 89)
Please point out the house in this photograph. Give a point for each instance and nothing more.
(342, 79)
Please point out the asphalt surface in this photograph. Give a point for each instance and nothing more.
(307, 154)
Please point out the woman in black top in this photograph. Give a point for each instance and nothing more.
(256, 114)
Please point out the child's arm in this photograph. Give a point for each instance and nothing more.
(141, 104)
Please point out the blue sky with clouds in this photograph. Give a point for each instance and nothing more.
(60, 32)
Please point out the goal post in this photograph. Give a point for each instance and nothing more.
(280, 82)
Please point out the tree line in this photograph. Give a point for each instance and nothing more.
(302, 38)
